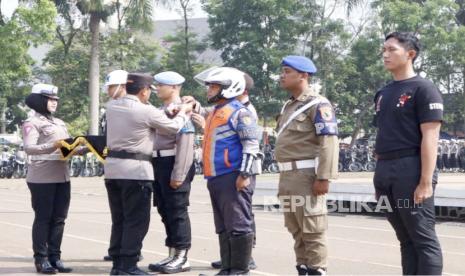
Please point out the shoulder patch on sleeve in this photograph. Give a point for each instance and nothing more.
(188, 128)
(246, 125)
(325, 120)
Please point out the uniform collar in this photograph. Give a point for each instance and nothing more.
(224, 103)
(132, 97)
(42, 117)
(176, 101)
(308, 92)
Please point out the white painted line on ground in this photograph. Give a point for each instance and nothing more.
(143, 250)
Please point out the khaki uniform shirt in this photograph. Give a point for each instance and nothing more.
(39, 135)
(299, 140)
(183, 142)
(130, 127)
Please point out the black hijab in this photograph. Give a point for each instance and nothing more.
(38, 103)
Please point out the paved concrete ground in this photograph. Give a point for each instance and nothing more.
(357, 244)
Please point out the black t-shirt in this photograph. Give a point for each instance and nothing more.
(401, 106)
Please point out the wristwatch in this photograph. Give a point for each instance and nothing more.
(245, 175)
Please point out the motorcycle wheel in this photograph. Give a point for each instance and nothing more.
(355, 167)
(273, 167)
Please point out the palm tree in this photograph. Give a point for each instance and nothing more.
(138, 15)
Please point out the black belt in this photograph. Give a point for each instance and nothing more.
(129, 155)
(398, 154)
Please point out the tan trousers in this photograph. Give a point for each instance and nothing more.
(305, 217)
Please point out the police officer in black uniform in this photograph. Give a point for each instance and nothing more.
(409, 112)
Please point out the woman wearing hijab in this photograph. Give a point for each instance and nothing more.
(47, 178)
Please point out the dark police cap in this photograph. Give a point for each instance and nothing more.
(139, 80)
(299, 63)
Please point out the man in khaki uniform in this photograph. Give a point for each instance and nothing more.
(307, 155)
(128, 168)
(173, 156)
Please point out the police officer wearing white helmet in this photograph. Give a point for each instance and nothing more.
(115, 88)
(229, 148)
(47, 178)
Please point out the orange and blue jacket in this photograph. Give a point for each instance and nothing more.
(222, 148)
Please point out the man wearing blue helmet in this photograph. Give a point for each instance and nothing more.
(307, 154)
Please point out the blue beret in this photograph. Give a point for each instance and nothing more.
(169, 78)
(299, 63)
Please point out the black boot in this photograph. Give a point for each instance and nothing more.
(158, 266)
(225, 254)
(241, 251)
(179, 263)
(58, 265)
(107, 258)
(301, 269)
(252, 264)
(128, 266)
(43, 266)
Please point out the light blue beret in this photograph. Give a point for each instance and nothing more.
(169, 78)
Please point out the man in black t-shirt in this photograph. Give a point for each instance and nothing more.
(409, 112)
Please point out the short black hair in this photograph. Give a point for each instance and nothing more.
(138, 81)
(408, 40)
(249, 82)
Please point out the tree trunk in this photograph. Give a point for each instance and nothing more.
(186, 35)
(3, 121)
(2, 115)
(463, 101)
(94, 75)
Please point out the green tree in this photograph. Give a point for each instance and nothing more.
(138, 15)
(254, 38)
(439, 23)
(184, 48)
(360, 76)
(30, 25)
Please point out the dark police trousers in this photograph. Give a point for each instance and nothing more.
(51, 204)
(130, 215)
(397, 180)
(172, 203)
(232, 210)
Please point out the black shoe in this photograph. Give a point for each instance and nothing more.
(58, 265)
(158, 266)
(108, 258)
(179, 263)
(133, 271)
(318, 271)
(301, 269)
(43, 266)
(216, 264)
(128, 266)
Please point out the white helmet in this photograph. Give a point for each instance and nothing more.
(200, 77)
(231, 79)
(116, 77)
